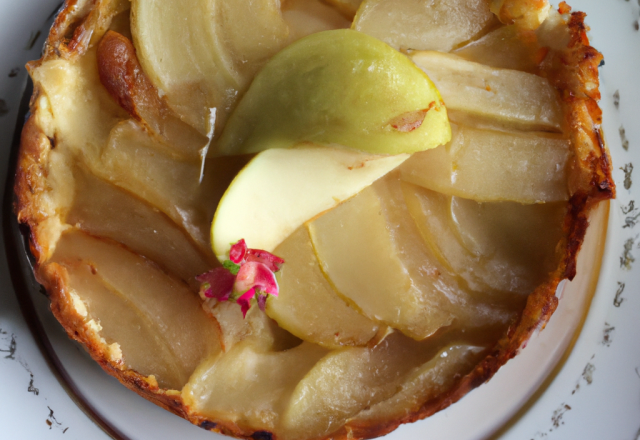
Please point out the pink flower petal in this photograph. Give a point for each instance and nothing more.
(245, 301)
(255, 274)
(273, 262)
(217, 283)
(262, 301)
(238, 252)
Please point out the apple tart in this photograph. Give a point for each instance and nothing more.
(426, 175)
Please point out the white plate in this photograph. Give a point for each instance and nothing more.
(592, 394)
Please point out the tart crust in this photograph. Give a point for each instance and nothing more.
(572, 71)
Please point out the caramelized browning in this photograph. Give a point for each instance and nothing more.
(121, 74)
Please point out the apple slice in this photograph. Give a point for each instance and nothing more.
(487, 165)
(338, 87)
(280, 189)
(249, 385)
(424, 25)
(503, 97)
(156, 319)
(305, 17)
(133, 160)
(504, 247)
(347, 381)
(511, 47)
(203, 56)
(368, 267)
(104, 210)
(348, 8)
(121, 74)
(423, 383)
(372, 253)
(505, 48)
(307, 304)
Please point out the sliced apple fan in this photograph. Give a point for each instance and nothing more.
(413, 230)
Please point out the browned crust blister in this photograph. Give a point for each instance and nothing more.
(574, 73)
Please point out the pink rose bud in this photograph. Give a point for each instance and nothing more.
(255, 274)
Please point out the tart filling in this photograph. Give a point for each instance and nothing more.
(412, 218)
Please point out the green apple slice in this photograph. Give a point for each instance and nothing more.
(280, 189)
(338, 87)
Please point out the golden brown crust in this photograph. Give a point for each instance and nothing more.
(79, 24)
(574, 72)
(30, 184)
(527, 14)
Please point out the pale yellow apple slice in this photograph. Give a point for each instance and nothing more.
(104, 210)
(307, 304)
(505, 48)
(423, 383)
(132, 160)
(348, 8)
(203, 55)
(280, 189)
(305, 17)
(359, 254)
(249, 385)
(506, 247)
(511, 47)
(424, 25)
(347, 381)
(488, 165)
(121, 74)
(372, 253)
(342, 87)
(508, 98)
(155, 318)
